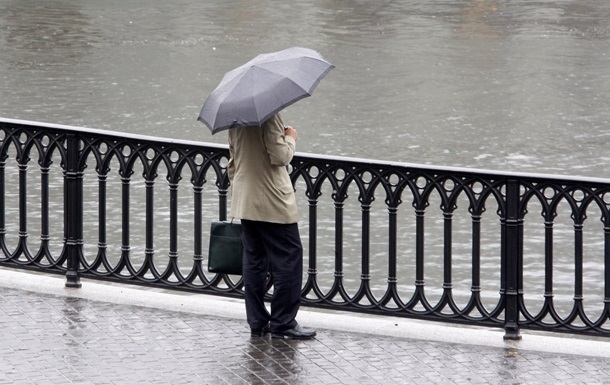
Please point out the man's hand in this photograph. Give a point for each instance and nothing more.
(288, 130)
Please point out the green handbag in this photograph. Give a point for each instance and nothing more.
(225, 254)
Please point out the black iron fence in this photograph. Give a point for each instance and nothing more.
(475, 247)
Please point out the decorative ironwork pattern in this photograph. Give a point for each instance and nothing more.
(102, 187)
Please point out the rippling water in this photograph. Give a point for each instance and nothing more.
(507, 85)
(515, 85)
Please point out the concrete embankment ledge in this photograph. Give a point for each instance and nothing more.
(308, 317)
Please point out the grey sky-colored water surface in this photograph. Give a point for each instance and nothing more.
(508, 85)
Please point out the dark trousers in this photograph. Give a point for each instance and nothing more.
(275, 248)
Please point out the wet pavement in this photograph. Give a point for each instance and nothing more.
(111, 334)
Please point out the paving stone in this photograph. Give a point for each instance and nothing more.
(62, 340)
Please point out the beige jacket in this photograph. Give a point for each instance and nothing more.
(261, 187)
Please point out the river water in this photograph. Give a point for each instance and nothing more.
(504, 85)
(508, 85)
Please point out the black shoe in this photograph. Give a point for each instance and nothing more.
(296, 333)
(259, 332)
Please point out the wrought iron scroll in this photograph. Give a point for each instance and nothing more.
(401, 191)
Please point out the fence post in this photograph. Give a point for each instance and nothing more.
(223, 192)
(73, 203)
(513, 241)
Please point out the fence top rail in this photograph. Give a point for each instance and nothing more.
(457, 170)
(322, 158)
(97, 131)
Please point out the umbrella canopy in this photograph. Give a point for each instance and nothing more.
(252, 93)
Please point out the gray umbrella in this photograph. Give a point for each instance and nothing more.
(252, 93)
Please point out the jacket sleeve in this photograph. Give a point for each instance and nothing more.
(280, 147)
(231, 163)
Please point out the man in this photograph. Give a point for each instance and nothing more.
(263, 198)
